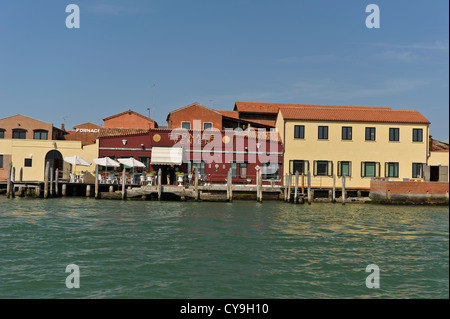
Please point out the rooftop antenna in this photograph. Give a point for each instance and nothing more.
(148, 111)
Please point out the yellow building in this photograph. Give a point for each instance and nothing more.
(438, 162)
(359, 142)
(32, 155)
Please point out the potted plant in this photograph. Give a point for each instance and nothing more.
(180, 177)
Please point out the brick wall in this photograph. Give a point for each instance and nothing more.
(420, 188)
(192, 113)
(129, 120)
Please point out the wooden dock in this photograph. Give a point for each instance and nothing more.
(297, 189)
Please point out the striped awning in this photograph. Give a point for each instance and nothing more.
(167, 156)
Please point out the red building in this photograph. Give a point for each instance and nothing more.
(208, 118)
(213, 152)
(129, 119)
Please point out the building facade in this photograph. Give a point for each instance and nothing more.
(31, 157)
(24, 127)
(129, 119)
(360, 143)
(212, 153)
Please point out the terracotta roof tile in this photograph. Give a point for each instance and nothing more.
(257, 107)
(128, 112)
(231, 114)
(353, 115)
(438, 146)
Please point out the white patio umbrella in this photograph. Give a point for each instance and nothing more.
(106, 162)
(131, 162)
(77, 161)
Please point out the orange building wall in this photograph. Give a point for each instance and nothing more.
(129, 121)
(25, 123)
(195, 113)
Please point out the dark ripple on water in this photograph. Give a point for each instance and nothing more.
(140, 249)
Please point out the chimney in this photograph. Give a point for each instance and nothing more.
(63, 127)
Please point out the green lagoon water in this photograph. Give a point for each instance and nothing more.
(149, 249)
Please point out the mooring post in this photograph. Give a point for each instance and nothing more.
(228, 184)
(260, 187)
(13, 181)
(57, 182)
(111, 189)
(289, 188)
(159, 184)
(196, 183)
(64, 190)
(51, 182)
(303, 183)
(296, 187)
(124, 190)
(47, 171)
(231, 185)
(88, 190)
(96, 181)
(333, 199)
(8, 184)
(343, 189)
(257, 184)
(309, 187)
(285, 186)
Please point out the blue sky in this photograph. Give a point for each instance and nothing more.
(219, 52)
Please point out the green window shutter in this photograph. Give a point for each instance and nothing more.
(349, 169)
(362, 170)
(339, 168)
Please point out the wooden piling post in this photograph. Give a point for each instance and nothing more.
(285, 186)
(159, 184)
(111, 189)
(47, 171)
(260, 187)
(289, 188)
(124, 180)
(88, 190)
(333, 199)
(309, 187)
(257, 185)
(303, 183)
(64, 190)
(57, 182)
(229, 185)
(51, 183)
(296, 187)
(13, 180)
(96, 181)
(196, 183)
(8, 183)
(343, 189)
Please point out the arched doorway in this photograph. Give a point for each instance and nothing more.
(55, 159)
